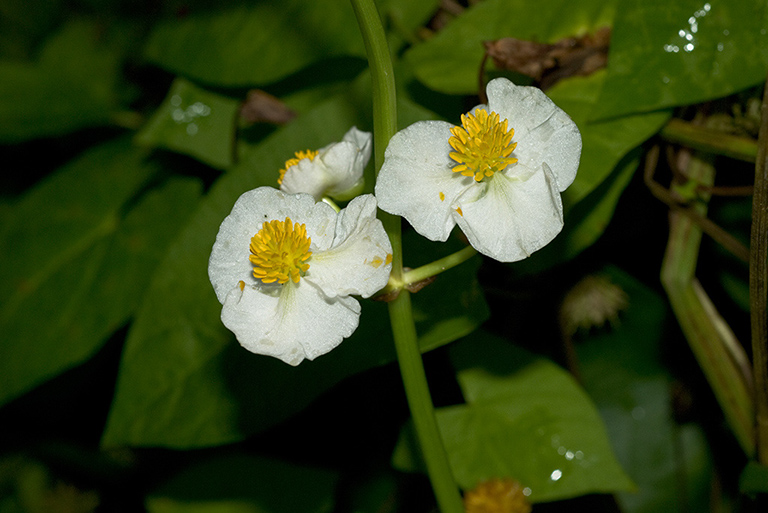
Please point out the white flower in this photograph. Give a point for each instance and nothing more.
(335, 170)
(500, 185)
(284, 267)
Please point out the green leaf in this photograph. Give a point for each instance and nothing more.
(622, 371)
(527, 419)
(258, 43)
(754, 479)
(195, 122)
(605, 143)
(450, 61)
(245, 484)
(23, 22)
(70, 86)
(665, 54)
(184, 380)
(76, 263)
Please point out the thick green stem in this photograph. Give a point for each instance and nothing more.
(758, 286)
(401, 315)
(709, 140)
(714, 345)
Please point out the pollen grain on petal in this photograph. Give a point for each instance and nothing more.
(483, 145)
(298, 156)
(442, 196)
(241, 284)
(279, 251)
(459, 211)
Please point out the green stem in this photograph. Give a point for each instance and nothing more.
(401, 315)
(709, 140)
(758, 286)
(714, 345)
(438, 266)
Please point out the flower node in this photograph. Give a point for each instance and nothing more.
(299, 155)
(279, 251)
(483, 145)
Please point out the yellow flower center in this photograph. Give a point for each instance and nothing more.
(279, 251)
(307, 154)
(497, 496)
(483, 145)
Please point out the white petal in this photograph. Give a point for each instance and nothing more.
(508, 218)
(544, 133)
(344, 164)
(229, 264)
(359, 259)
(336, 171)
(308, 177)
(416, 180)
(293, 322)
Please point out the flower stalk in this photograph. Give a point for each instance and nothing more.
(758, 286)
(401, 315)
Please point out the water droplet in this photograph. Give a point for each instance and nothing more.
(556, 474)
(681, 33)
(665, 80)
(569, 455)
(720, 47)
(177, 115)
(689, 37)
(192, 129)
(579, 455)
(726, 32)
(689, 47)
(561, 450)
(175, 100)
(527, 491)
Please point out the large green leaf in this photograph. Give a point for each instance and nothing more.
(676, 53)
(70, 86)
(260, 42)
(184, 380)
(77, 253)
(525, 418)
(245, 484)
(195, 122)
(255, 43)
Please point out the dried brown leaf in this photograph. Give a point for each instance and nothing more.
(549, 63)
(261, 107)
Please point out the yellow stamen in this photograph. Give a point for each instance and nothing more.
(459, 211)
(442, 197)
(497, 496)
(483, 145)
(388, 260)
(307, 154)
(279, 251)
